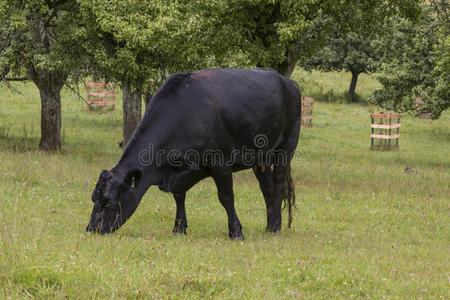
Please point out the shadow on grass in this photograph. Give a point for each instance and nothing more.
(18, 144)
(89, 150)
(91, 122)
(332, 96)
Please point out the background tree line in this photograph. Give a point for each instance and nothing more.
(139, 43)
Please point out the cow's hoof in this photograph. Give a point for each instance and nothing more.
(273, 228)
(237, 237)
(179, 230)
(236, 234)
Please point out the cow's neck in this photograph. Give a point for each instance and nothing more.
(140, 154)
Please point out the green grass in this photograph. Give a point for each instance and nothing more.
(363, 227)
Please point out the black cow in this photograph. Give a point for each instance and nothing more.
(207, 123)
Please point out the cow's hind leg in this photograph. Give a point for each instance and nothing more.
(180, 218)
(265, 179)
(224, 182)
(279, 177)
(282, 181)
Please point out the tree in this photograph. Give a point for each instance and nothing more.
(279, 34)
(39, 40)
(139, 43)
(417, 63)
(351, 52)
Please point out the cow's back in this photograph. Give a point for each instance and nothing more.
(226, 108)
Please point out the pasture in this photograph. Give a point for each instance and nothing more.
(367, 225)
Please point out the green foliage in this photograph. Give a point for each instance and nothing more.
(142, 41)
(416, 63)
(279, 34)
(363, 226)
(350, 52)
(39, 36)
(136, 41)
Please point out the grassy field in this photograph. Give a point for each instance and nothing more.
(363, 228)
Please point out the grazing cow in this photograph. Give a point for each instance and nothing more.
(207, 123)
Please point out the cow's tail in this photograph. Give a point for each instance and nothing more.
(289, 195)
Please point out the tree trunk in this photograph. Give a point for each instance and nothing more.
(351, 90)
(50, 119)
(286, 68)
(132, 103)
(147, 97)
(49, 84)
(289, 69)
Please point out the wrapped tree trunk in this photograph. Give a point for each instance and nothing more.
(132, 106)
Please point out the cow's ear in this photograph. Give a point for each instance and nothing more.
(133, 177)
(97, 195)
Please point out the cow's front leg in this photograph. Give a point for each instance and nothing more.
(224, 182)
(180, 218)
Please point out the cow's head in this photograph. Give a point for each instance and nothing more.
(115, 199)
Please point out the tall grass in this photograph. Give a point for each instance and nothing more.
(364, 226)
